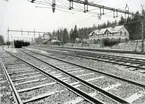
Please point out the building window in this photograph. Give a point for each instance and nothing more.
(120, 32)
(119, 39)
(125, 33)
(107, 33)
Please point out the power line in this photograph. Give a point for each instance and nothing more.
(78, 6)
(96, 1)
(49, 7)
(120, 5)
(102, 6)
(86, 4)
(48, 4)
(96, 5)
(132, 22)
(62, 3)
(25, 31)
(48, 1)
(124, 3)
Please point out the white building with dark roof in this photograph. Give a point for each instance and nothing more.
(112, 33)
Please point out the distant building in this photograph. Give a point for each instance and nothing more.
(49, 39)
(119, 33)
(46, 36)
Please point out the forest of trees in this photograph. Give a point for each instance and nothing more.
(132, 24)
(1, 40)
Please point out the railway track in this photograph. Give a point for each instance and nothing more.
(30, 84)
(6, 96)
(107, 85)
(75, 64)
(94, 50)
(81, 86)
(135, 63)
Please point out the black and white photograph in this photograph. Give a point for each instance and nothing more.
(72, 51)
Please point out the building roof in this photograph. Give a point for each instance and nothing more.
(55, 41)
(110, 29)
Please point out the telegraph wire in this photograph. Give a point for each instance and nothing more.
(40, 1)
(49, 7)
(58, 6)
(96, 1)
(124, 3)
(62, 3)
(102, 8)
(62, 7)
(78, 6)
(97, 5)
(120, 5)
(48, 2)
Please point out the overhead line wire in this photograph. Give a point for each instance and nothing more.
(120, 5)
(62, 3)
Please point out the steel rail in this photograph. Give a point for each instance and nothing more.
(71, 88)
(109, 61)
(105, 50)
(70, 49)
(113, 56)
(98, 71)
(118, 57)
(121, 57)
(101, 50)
(17, 97)
(110, 95)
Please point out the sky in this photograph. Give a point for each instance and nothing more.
(22, 14)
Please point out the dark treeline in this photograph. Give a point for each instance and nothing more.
(1, 40)
(65, 36)
(132, 24)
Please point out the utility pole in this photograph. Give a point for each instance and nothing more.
(8, 38)
(142, 33)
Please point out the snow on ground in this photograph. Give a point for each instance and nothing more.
(38, 50)
(128, 46)
(123, 54)
(11, 50)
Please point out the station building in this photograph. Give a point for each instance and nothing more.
(119, 33)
